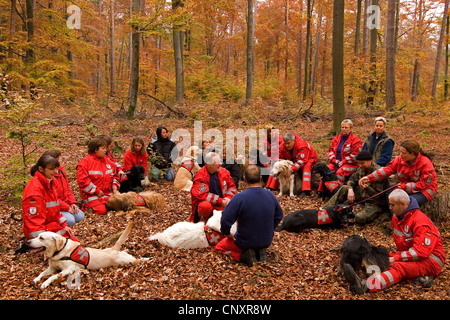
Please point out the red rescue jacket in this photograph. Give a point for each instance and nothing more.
(416, 237)
(350, 150)
(419, 176)
(302, 153)
(200, 188)
(65, 194)
(131, 159)
(40, 208)
(96, 174)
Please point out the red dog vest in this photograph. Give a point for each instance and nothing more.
(323, 217)
(213, 236)
(79, 255)
(140, 200)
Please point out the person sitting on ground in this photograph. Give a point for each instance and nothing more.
(109, 155)
(160, 151)
(40, 205)
(135, 156)
(414, 170)
(67, 201)
(212, 188)
(304, 157)
(420, 254)
(343, 151)
(379, 143)
(97, 177)
(231, 165)
(352, 192)
(257, 213)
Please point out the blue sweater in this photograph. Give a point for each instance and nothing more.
(257, 213)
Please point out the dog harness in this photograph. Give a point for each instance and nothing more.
(140, 200)
(188, 165)
(330, 185)
(79, 255)
(323, 217)
(213, 236)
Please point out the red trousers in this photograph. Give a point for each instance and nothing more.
(343, 171)
(227, 246)
(99, 209)
(205, 210)
(305, 174)
(399, 271)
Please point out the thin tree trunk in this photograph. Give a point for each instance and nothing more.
(308, 46)
(390, 56)
(134, 76)
(178, 56)
(358, 27)
(338, 64)
(250, 33)
(439, 51)
(112, 59)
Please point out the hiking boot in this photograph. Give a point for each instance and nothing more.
(248, 257)
(261, 255)
(357, 285)
(424, 281)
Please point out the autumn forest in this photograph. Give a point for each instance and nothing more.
(393, 52)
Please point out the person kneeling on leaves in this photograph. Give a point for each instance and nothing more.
(420, 256)
(256, 221)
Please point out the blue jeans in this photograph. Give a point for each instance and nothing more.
(155, 174)
(71, 219)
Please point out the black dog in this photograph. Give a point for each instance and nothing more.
(329, 183)
(134, 180)
(360, 253)
(331, 217)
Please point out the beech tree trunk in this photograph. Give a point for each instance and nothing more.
(338, 65)
(250, 35)
(390, 56)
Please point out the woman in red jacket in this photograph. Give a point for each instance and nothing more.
(414, 170)
(343, 151)
(40, 204)
(67, 202)
(135, 156)
(97, 177)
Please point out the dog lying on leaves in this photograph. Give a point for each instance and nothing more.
(187, 170)
(130, 200)
(136, 180)
(331, 217)
(282, 171)
(361, 254)
(69, 256)
(189, 235)
(329, 183)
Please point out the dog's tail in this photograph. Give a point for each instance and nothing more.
(123, 236)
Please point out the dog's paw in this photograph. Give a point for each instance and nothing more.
(291, 194)
(37, 279)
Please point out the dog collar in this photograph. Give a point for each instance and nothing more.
(57, 252)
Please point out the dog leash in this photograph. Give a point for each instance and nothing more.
(376, 195)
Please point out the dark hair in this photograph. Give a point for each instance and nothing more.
(158, 131)
(53, 153)
(413, 147)
(96, 143)
(252, 174)
(44, 161)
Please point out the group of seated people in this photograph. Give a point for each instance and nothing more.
(363, 170)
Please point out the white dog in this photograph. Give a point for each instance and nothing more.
(189, 235)
(282, 171)
(69, 257)
(187, 170)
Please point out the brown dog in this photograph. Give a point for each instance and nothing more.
(131, 200)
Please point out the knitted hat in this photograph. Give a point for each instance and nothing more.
(364, 155)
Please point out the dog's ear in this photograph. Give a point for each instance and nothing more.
(59, 242)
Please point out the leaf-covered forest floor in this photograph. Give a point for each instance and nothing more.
(302, 265)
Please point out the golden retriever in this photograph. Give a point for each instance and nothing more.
(282, 171)
(187, 170)
(130, 200)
